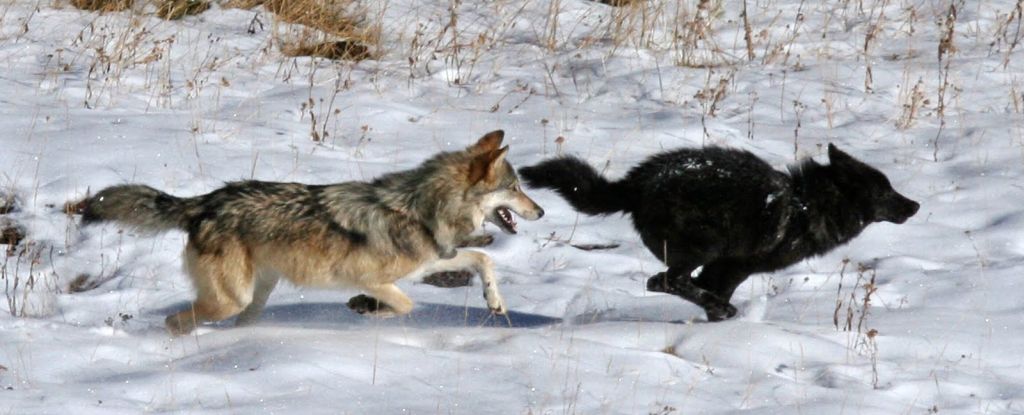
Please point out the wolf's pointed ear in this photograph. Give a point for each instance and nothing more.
(489, 142)
(837, 155)
(485, 166)
(496, 162)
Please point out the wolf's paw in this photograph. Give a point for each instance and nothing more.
(719, 312)
(496, 304)
(659, 284)
(498, 309)
(366, 305)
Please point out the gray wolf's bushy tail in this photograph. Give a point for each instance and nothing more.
(581, 185)
(142, 207)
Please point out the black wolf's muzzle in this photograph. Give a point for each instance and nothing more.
(897, 209)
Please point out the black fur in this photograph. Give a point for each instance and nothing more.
(730, 212)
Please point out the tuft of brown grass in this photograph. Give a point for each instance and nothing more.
(103, 6)
(177, 9)
(337, 50)
(11, 235)
(618, 3)
(336, 29)
(7, 204)
(333, 17)
(82, 283)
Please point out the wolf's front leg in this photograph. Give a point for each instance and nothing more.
(480, 263)
(446, 240)
(484, 267)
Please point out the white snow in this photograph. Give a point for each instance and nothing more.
(89, 100)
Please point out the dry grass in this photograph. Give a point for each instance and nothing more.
(166, 9)
(913, 102)
(334, 17)
(11, 235)
(1014, 20)
(176, 9)
(336, 50)
(947, 48)
(332, 29)
(103, 6)
(7, 204)
(619, 3)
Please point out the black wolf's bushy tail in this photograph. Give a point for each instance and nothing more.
(579, 184)
(142, 207)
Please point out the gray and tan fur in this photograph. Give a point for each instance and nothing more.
(368, 235)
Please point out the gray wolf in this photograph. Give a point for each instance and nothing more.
(368, 235)
(729, 212)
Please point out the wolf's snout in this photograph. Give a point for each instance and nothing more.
(528, 209)
(914, 206)
(901, 209)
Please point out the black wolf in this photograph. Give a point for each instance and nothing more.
(730, 212)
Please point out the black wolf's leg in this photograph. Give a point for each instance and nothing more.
(364, 304)
(677, 281)
(723, 276)
(449, 279)
(459, 278)
(477, 241)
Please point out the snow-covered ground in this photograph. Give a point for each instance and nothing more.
(88, 101)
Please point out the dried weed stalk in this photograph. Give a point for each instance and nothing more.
(1013, 19)
(946, 49)
(913, 102)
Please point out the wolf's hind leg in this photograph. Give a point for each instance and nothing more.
(384, 300)
(265, 283)
(677, 281)
(723, 276)
(223, 283)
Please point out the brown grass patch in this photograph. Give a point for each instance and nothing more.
(338, 50)
(336, 28)
(176, 9)
(82, 283)
(7, 204)
(618, 3)
(102, 6)
(11, 235)
(329, 16)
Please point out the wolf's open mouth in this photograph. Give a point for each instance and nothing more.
(505, 219)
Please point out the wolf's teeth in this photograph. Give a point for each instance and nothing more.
(505, 215)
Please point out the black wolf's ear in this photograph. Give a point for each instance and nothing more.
(489, 142)
(837, 155)
(485, 166)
